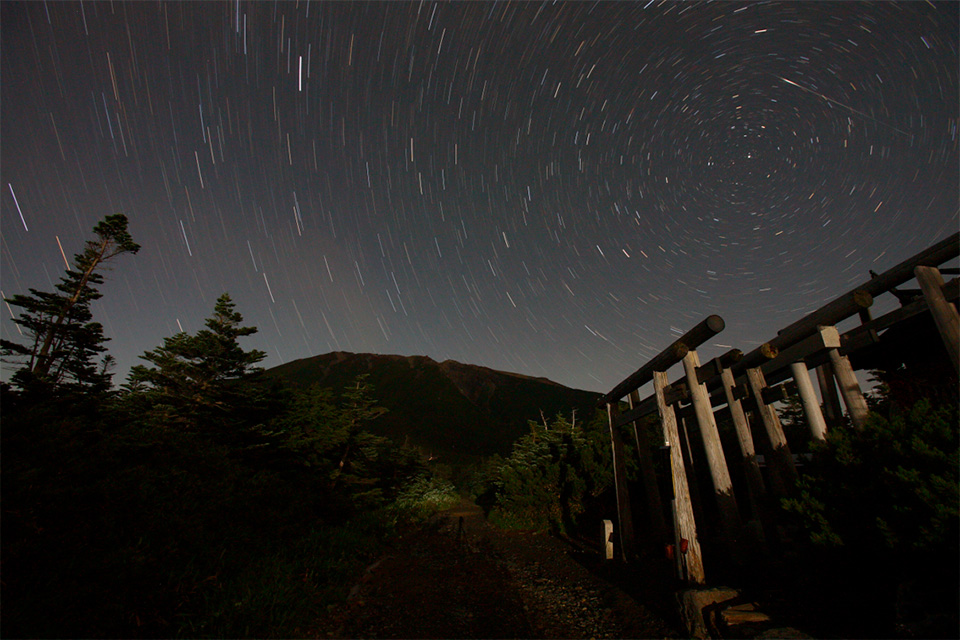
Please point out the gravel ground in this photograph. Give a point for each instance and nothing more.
(471, 580)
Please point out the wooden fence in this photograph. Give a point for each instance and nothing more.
(748, 385)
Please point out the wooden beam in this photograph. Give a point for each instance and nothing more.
(719, 473)
(624, 515)
(861, 297)
(822, 339)
(670, 356)
(944, 314)
(778, 393)
(674, 393)
(951, 291)
(685, 525)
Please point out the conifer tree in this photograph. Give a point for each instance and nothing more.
(62, 339)
(199, 377)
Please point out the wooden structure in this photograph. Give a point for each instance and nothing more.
(750, 384)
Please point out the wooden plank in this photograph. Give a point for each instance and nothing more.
(685, 525)
(624, 515)
(717, 462)
(709, 327)
(944, 314)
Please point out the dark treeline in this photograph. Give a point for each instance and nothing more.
(198, 499)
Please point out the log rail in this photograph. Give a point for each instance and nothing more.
(755, 378)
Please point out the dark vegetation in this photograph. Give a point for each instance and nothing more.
(878, 512)
(201, 499)
(209, 498)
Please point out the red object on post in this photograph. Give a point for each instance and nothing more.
(684, 545)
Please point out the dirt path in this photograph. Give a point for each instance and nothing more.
(462, 578)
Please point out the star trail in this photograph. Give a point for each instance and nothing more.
(555, 189)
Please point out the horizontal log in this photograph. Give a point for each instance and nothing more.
(851, 302)
(856, 338)
(740, 392)
(709, 327)
(824, 338)
(676, 392)
(731, 358)
(778, 393)
(859, 341)
(951, 291)
(865, 334)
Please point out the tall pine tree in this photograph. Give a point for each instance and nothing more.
(63, 343)
(199, 380)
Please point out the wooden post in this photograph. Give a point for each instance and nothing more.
(624, 516)
(755, 487)
(685, 525)
(849, 388)
(719, 473)
(658, 528)
(811, 407)
(944, 313)
(828, 391)
(607, 540)
(783, 476)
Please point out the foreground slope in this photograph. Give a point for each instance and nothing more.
(445, 407)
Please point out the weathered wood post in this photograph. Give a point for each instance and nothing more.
(648, 476)
(607, 540)
(755, 488)
(624, 515)
(846, 379)
(685, 524)
(811, 406)
(719, 473)
(944, 314)
(832, 411)
(783, 474)
(660, 363)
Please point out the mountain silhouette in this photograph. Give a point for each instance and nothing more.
(449, 409)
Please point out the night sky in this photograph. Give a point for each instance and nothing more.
(554, 189)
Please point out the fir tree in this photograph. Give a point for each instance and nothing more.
(200, 378)
(63, 342)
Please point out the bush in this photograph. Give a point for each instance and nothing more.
(549, 478)
(892, 485)
(423, 496)
(881, 509)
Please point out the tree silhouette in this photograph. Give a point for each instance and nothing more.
(63, 342)
(199, 378)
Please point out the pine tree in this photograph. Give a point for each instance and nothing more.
(63, 342)
(199, 379)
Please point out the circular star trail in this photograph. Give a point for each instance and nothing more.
(555, 189)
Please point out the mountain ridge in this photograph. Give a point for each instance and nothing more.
(454, 409)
